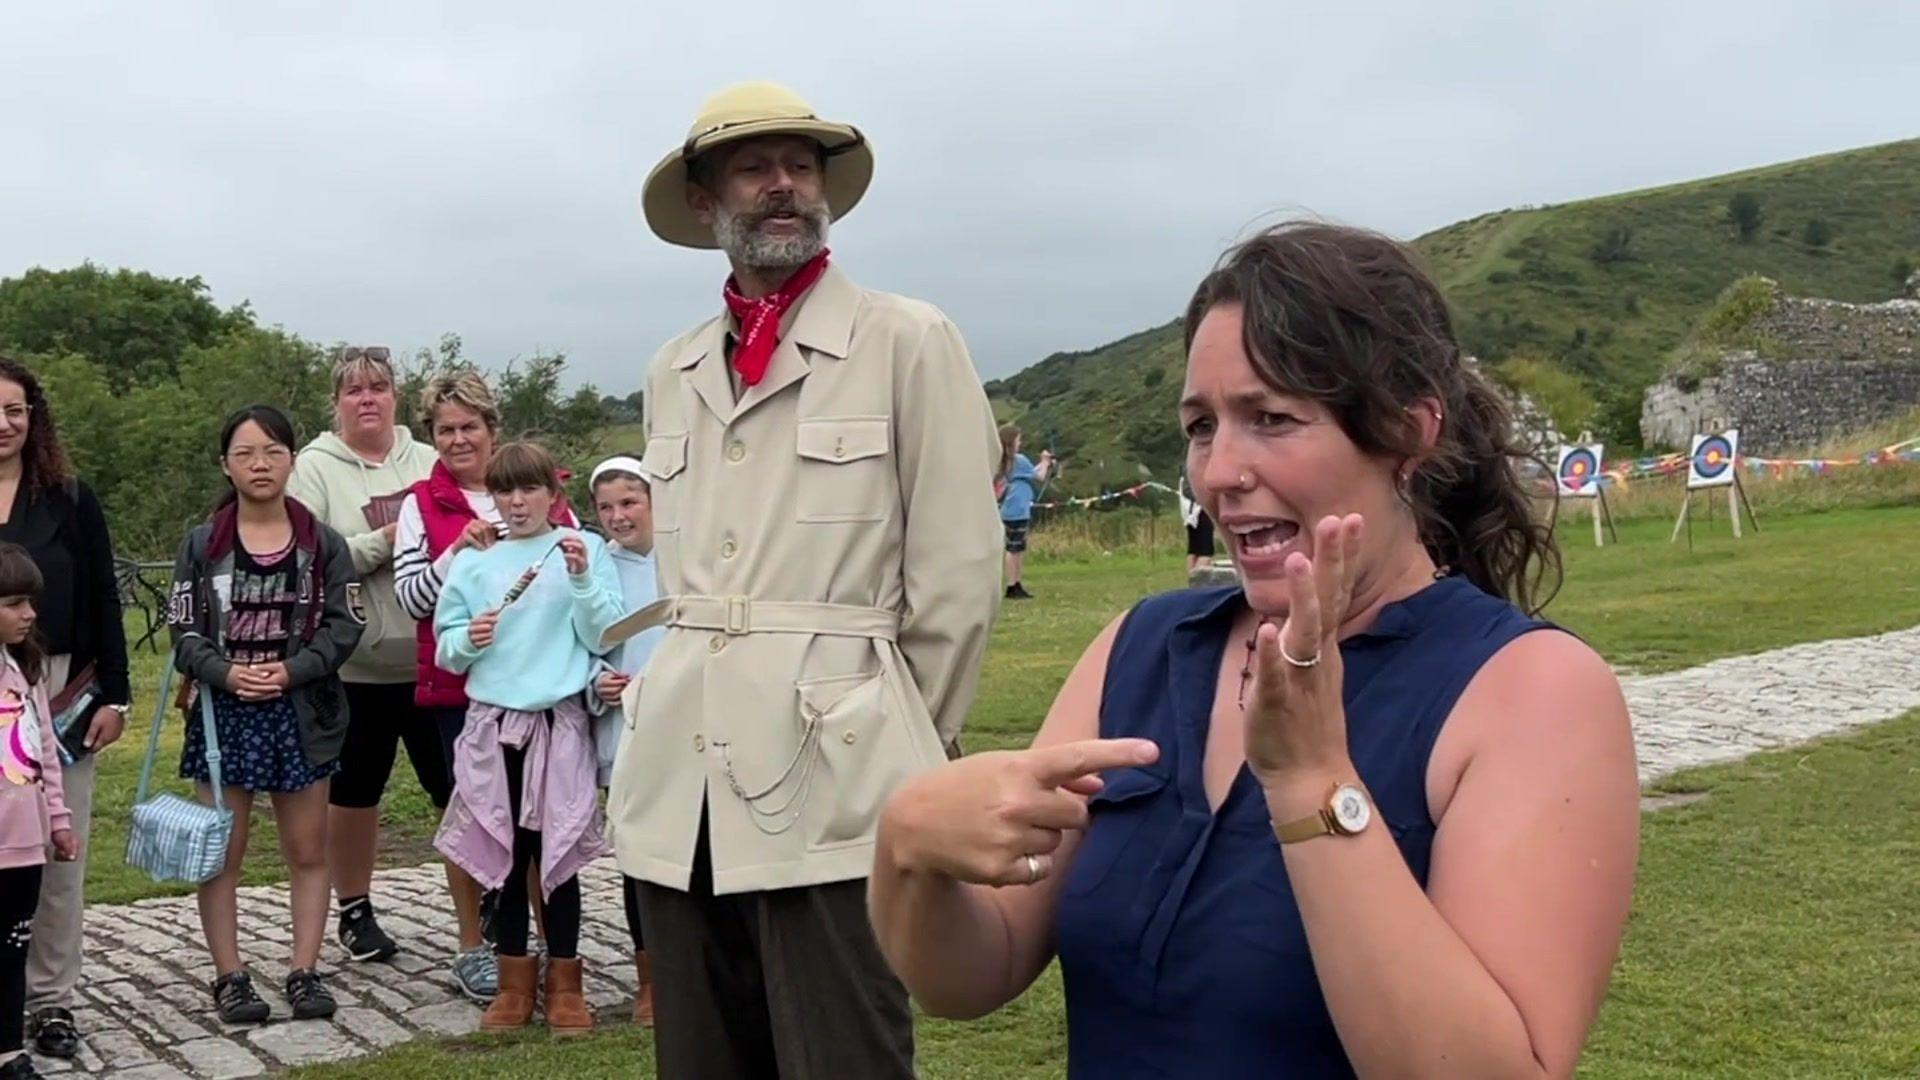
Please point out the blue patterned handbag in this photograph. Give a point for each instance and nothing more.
(174, 838)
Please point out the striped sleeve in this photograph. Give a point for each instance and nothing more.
(417, 577)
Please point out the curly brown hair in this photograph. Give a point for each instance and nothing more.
(43, 462)
(1345, 317)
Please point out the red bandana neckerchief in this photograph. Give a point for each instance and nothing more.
(760, 318)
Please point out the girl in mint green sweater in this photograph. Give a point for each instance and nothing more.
(522, 620)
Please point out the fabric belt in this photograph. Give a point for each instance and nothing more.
(737, 616)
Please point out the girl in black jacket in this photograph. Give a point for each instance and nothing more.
(260, 620)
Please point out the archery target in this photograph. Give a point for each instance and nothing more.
(1579, 470)
(1713, 459)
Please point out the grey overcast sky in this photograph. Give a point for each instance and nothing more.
(1054, 175)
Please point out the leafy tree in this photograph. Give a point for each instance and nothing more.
(135, 325)
(1746, 215)
(162, 474)
(1818, 233)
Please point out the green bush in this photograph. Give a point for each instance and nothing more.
(1818, 233)
(1613, 245)
(1559, 393)
(1746, 215)
(1726, 327)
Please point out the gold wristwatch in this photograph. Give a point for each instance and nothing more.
(1348, 811)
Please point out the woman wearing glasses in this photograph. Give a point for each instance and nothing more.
(53, 515)
(260, 619)
(353, 478)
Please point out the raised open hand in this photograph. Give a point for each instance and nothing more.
(1296, 723)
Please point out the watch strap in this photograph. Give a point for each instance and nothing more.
(1319, 823)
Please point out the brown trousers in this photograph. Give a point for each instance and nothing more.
(786, 983)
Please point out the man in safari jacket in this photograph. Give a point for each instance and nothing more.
(821, 460)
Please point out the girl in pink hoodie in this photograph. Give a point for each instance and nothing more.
(33, 818)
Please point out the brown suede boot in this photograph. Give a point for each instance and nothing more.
(512, 1007)
(643, 992)
(567, 1012)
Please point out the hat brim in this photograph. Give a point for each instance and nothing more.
(664, 198)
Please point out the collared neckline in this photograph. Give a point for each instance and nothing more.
(820, 320)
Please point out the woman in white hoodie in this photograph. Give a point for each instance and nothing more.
(353, 478)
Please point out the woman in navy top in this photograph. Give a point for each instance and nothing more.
(1360, 814)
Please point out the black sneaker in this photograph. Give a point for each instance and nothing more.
(1017, 591)
(236, 1000)
(360, 933)
(307, 997)
(20, 1068)
(53, 1033)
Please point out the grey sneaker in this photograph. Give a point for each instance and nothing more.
(477, 974)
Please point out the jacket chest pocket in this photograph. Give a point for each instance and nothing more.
(845, 469)
(665, 460)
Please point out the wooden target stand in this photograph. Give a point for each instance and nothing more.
(1602, 516)
(1736, 501)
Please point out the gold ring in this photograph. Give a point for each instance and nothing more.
(1310, 661)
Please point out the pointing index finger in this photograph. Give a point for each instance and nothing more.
(1058, 765)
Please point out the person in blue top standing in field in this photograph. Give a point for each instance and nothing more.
(1016, 486)
(623, 501)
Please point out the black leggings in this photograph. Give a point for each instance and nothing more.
(19, 895)
(512, 913)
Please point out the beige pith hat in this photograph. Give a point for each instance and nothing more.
(746, 111)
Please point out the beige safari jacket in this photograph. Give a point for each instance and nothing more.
(829, 552)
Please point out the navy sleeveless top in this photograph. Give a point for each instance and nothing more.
(1181, 945)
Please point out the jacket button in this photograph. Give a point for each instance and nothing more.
(737, 451)
(699, 744)
(839, 448)
(848, 738)
(729, 549)
(716, 643)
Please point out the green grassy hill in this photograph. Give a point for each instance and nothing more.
(1601, 289)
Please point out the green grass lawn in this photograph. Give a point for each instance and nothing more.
(1775, 933)
(1784, 869)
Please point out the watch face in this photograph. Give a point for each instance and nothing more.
(1351, 808)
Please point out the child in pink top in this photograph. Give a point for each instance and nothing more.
(33, 817)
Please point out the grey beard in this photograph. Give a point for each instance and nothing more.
(748, 247)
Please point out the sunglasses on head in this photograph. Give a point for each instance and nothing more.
(377, 353)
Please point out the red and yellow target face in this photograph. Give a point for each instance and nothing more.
(1712, 458)
(1578, 468)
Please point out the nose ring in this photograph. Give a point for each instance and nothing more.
(1246, 481)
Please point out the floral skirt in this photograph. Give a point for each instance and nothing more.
(259, 746)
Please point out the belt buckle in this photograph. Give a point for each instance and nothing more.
(738, 615)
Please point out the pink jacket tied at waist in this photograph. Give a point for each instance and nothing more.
(559, 794)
